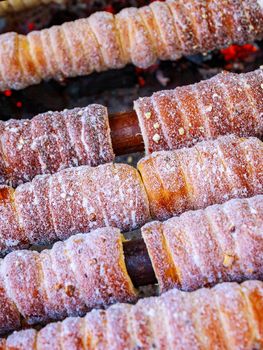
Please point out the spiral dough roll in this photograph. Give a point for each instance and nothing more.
(226, 314)
(162, 30)
(218, 244)
(10, 6)
(210, 172)
(84, 272)
(75, 200)
(54, 141)
(225, 104)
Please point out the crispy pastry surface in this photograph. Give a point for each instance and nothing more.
(206, 319)
(219, 244)
(198, 248)
(54, 141)
(10, 6)
(84, 272)
(227, 103)
(210, 172)
(162, 30)
(74, 200)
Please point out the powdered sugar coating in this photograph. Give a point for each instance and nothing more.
(239, 326)
(54, 141)
(24, 340)
(86, 271)
(208, 173)
(225, 104)
(74, 200)
(103, 26)
(162, 30)
(20, 5)
(204, 247)
(139, 47)
(205, 319)
(117, 324)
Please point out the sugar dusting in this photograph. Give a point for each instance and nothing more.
(162, 30)
(54, 141)
(204, 247)
(201, 319)
(74, 200)
(84, 272)
(227, 103)
(208, 173)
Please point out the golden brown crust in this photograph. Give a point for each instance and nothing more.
(103, 26)
(206, 319)
(10, 6)
(227, 103)
(208, 173)
(9, 221)
(204, 247)
(162, 30)
(74, 200)
(254, 297)
(84, 272)
(54, 141)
